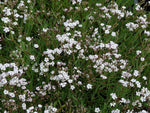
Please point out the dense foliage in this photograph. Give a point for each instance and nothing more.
(74, 56)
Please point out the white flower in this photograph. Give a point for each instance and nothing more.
(54, 109)
(144, 77)
(113, 45)
(6, 92)
(123, 100)
(28, 1)
(113, 34)
(129, 111)
(6, 111)
(11, 94)
(123, 7)
(69, 24)
(112, 104)
(31, 108)
(23, 106)
(136, 73)
(138, 52)
(85, 9)
(143, 111)
(70, 81)
(115, 111)
(6, 29)
(32, 57)
(12, 32)
(131, 26)
(89, 86)
(46, 59)
(16, 15)
(67, 28)
(78, 46)
(6, 10)
(97, 110)
(98, 4)
(113, 95)
(102, 24)
(79, 82)
(103, 77)
(36, 45)
(129, 13)
(46, 111)
(142, 59)
(80, 25)
(72, 87)
(39, 105)
(143, 26)
(143, 99)
(63, 84)
(3, 81)
(45, 30)
(138, 84)
(147, 32)
(107, 32)
(138, 7)
(28, 38)
(5, 19)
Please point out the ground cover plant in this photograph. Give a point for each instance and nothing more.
(74, 56)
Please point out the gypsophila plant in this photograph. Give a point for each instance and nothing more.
(74, 56)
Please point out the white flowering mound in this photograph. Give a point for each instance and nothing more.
(73, 56)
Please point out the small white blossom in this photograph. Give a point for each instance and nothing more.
(32, 57)
(28, 39)
(114, 96)
(23, 106)
(113, 34)
(11, 94)
(36, 45)
(72, 87)
(6, 92)
(70, 81)
(138, 52)
(142, 59)
(112, 104)
(107, 31)
(89, 86)
(5, 19)
(144, 77)
(136, 73)
(97, 110)
(63, 84)
(6, 29)
(46, 59)
(54, 109)
(39, 105)
(115, 111)
(28, 1)
(45, 30)
(103, 77)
